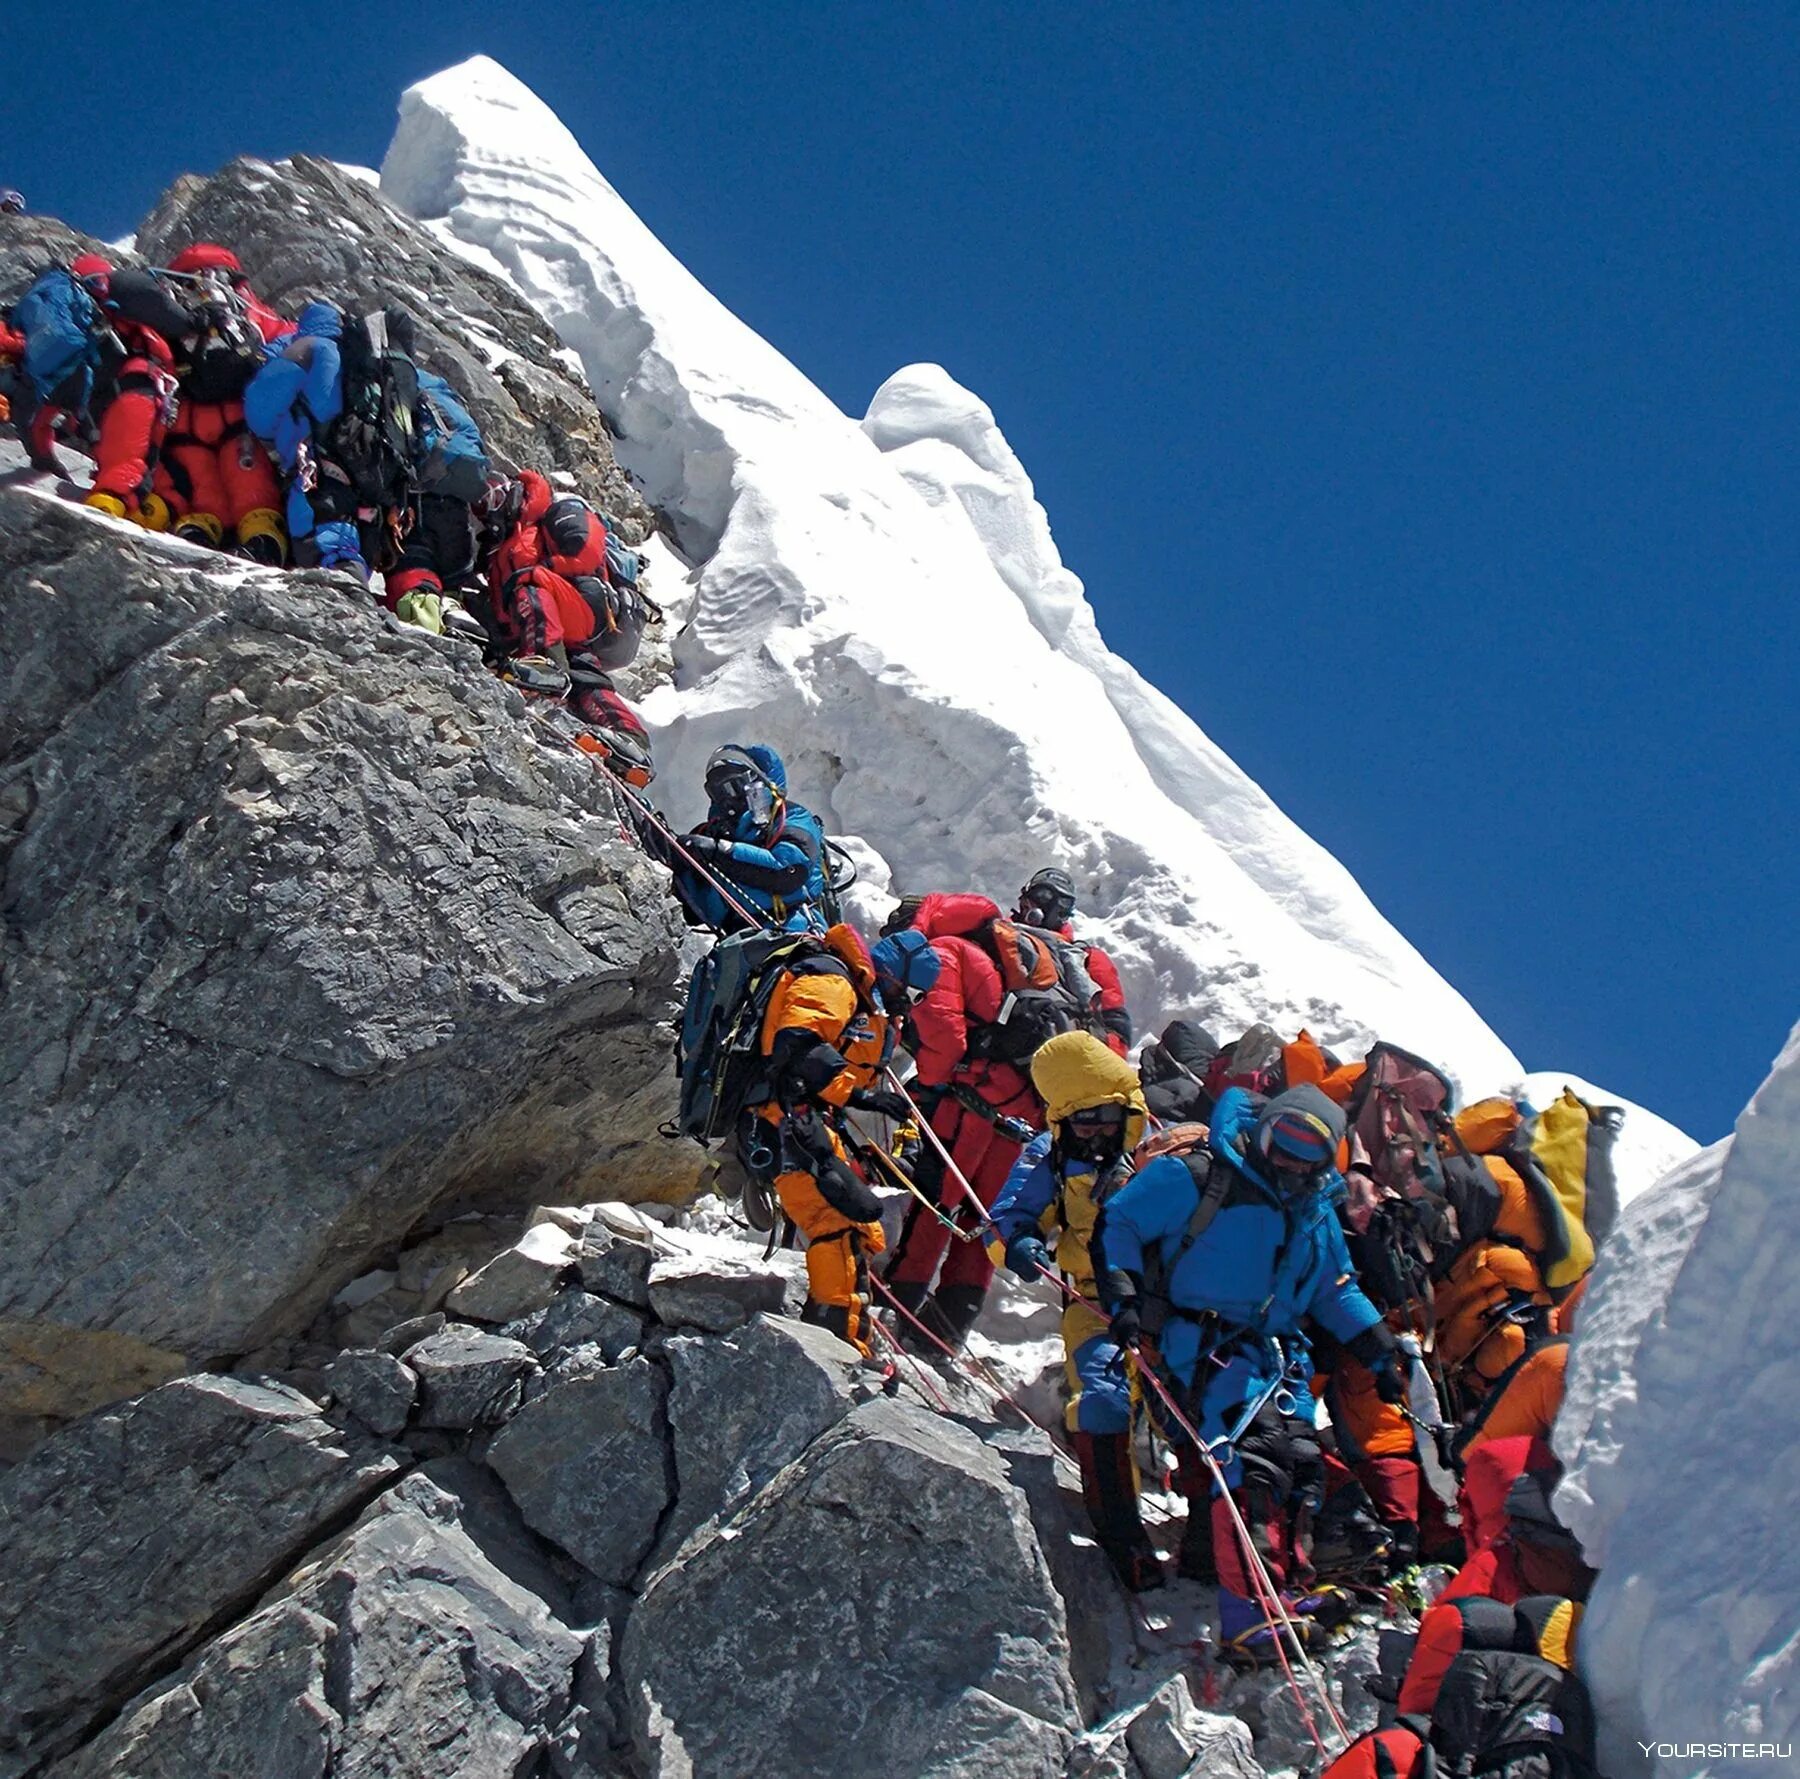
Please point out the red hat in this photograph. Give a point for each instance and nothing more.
(91, 265)
(205, 256)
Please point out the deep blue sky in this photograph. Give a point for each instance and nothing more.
(1415, 389)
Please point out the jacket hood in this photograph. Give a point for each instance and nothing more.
(906, 960)
(322, 321)
(1074, 1069)
(769, 764)
(205, 256)
(1301, 1122)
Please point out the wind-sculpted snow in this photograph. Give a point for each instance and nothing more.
(1679, 1431)
(884, 604)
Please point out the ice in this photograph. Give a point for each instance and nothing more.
(885, 604)
(1680, 1429)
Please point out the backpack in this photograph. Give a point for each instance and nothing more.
(1564, 1157)
(375, 440)
(718, 1053)
(1505, 1713)
(1253, 1063)
(624, 566)
(1189, 1144)
(1396, 1753)
(1396, 1112)
(619, 619)
(61, 323)
(228, 350)
(1048, 990)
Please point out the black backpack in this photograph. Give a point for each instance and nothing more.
(374, 441)
(228, 350)
(1514, 1716)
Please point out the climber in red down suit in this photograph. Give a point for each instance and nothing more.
(984, 1114)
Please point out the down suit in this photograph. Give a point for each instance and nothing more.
(1238, 1291)
(981, 1108)
(826, 1040)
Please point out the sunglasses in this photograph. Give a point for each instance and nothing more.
(1096, 1118)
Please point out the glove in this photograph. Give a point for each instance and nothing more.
(805, 1129)
(701, 846)
(1027, 1257)
(1127, 1325)
(880, 1100)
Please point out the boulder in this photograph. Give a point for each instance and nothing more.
(615, 1265)
(743, 1407)
(285, 968)
(587, 1463)
(469, 1378)
(889, 1578)
(1100, 1622)
(711, 1294)
(375, 1387)
(518, 1280)
(1172, 1738)
(402, 1652)
(122, 1538)
(576, 1319)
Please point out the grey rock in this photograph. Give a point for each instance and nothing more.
(584, 1747)
(518, 1280)
(401, 1653)
(1266, 1703)
(405, 1335)
(587, 1463)
(1101, 1754)
(616, 1266)
(1172, 1738)
(1100, 1622)
(576, 1319)
(305, 228)
(709, 1295)
(29, 243)
(743, 1407)
(317, 988)
(892, 1574)
(469, 1378)
(123, 1537)
(375, 1387)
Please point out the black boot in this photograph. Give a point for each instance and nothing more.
(1109, 1488)
(1195, 1561)
(953, 1311)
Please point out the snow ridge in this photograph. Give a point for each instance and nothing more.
(885, 604)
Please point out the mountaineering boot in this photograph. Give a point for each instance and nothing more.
(102, 502)
(536, 675)
(460, 621)
(1109, 1490)
(423, 609)
(155, 514)
(953, 1311)
(261, 538)
(1194, 1562)
(1248, 1638)
(1403, 1545)
(1349, 1543)
(202, 529)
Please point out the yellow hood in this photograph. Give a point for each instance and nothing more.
(1075, 1069)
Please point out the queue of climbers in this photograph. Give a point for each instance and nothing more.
(323, 441)
(1317, 1284)
(1324, 1288)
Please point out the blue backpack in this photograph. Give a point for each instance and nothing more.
(719, 1053)
(60, 321)
(623, 565)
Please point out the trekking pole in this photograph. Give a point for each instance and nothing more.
(869, 1150)
(944, 1155)
(1268, 1596)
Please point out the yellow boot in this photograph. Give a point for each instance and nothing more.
(154, 513)
(262, 537)
(199, 528)
(102, 502)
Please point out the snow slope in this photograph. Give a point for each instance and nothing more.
(885, 604)
(1680, 1430)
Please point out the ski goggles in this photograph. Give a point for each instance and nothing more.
(734, 781)
(1095, 1121)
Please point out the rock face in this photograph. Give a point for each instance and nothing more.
(890, 1578)
(122, 1540)
(306, 228)
(305, 934)
(403, 1652)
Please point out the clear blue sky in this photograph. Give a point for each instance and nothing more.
(1415, 388)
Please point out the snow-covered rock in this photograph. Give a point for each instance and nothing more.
(1679, 1431)
(883, 602)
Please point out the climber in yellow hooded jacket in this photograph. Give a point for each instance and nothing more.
(1054, 1193)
